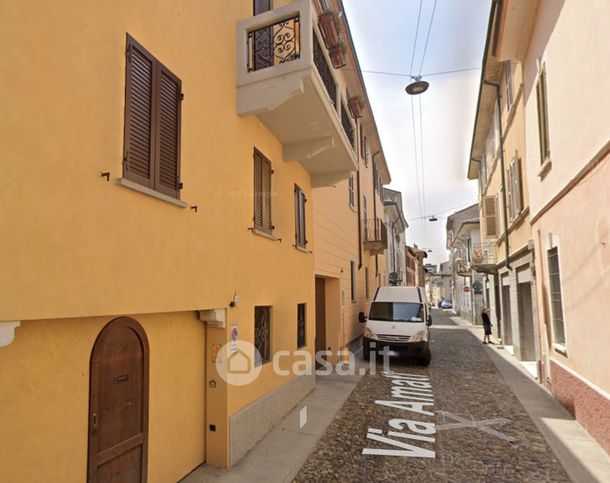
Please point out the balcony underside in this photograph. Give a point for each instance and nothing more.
(297, 110)
(485, 268)
(375, 247)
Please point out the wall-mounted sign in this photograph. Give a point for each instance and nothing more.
(466, 289)
(478, 287)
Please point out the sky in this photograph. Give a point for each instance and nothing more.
(432, 152)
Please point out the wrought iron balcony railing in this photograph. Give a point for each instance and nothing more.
(286, 79)
(274, 44)
(375, 235)
(483, 254)
(324, 70)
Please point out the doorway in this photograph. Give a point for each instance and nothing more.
(118, 404)
(320, 314)
(526, 323)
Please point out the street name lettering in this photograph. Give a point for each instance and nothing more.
(412, 393)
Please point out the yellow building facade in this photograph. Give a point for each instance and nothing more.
(497, 161)
(160, 178)
(350, 236)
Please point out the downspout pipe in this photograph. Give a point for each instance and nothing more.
(502, 168)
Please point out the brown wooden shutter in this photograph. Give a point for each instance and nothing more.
(264, 54)
(138, 152)
(168, 135)
(299, 204)
(258, 190)
(261, 6)
(509, 190)
(262, 193)
(491, 228)
(543, 121)
(267, 195)
(519, 185)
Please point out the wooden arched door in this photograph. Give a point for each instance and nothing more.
(118, 404)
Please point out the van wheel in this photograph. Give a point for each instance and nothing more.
(366, 352)
(425, 359)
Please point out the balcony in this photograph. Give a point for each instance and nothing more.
(286, 79)
(483, 257)
(375, 236)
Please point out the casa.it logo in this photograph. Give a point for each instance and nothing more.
(237, 366)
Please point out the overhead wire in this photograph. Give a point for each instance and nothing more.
(421, 129)
(456, 208)
(417, 179)
(419, 203)
(421, 65)
(416, 35)
(431, 74)
(423, 165)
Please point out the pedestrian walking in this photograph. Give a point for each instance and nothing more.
(486, 325)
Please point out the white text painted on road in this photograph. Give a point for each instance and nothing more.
(413, 393)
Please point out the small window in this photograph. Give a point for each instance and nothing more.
(508, 84)
(352, 267)
(262, 334)
(366, 152)
(151, 155)
(543, 118)
(299, 217)
(262, 193)
(556, 298)
(350, 189)
(489, 208)
(367, 289)
(301, 325)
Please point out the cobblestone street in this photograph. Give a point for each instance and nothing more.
(483, 433)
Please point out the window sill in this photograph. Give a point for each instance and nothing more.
(302, 249)
(264, 234)
(562, 349)
(545, 168)
(519, 218)
(125, 183)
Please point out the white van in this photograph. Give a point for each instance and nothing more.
(399, 319)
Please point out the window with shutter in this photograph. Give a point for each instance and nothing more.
(365, 212)
(490, 216)
(263, 38)
(518, 188)
(299, 217)
(153, 96)
(509, 190)
(543, 120)
(261, 6)
(262, 193)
